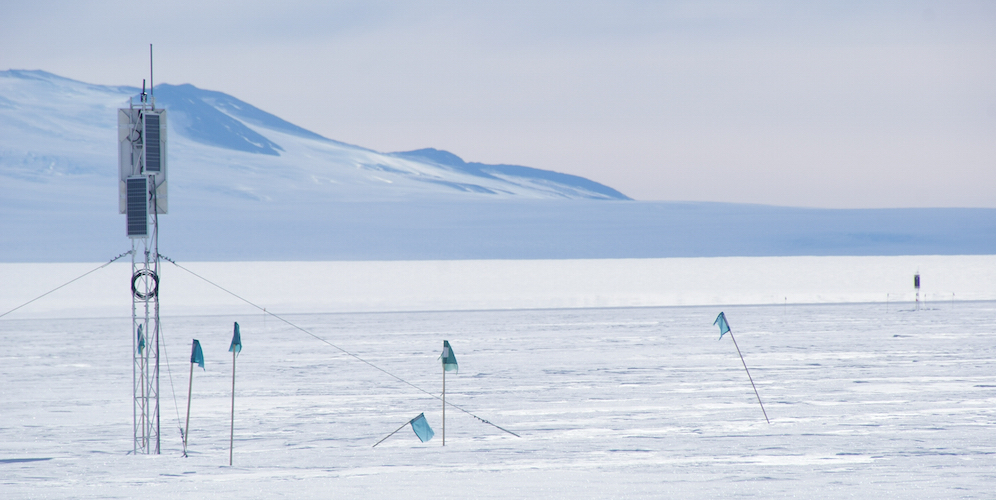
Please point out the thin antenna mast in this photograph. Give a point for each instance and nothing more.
(152, 85)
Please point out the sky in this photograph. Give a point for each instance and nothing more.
(837, 104)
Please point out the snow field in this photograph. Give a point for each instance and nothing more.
(435, 285)
(610, 402)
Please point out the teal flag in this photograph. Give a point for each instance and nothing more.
(449, 359)
(141, 340)
(196, 355)
(421, 428)
(723, 325)
(236, 340)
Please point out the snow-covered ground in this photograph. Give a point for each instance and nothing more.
(867, 398)
(384, 286)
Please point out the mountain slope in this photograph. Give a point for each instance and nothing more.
(60, 126)
(535, 175)
(247, 185)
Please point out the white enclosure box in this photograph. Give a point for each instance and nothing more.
(142, 152)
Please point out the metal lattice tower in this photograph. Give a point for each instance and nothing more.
(145, 344)
(142, 197)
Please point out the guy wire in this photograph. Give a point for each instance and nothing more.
(68, 282)
(340, 349)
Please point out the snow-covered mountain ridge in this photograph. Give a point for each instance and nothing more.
(247, 185)
(224, 145)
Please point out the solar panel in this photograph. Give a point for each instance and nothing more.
(138, 208)
(153, 146)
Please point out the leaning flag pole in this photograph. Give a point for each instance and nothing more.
(235, 348)
(724, 327)
(196, 356)
(449, 363)
(419, 425)
(391, 434)
(444, 406)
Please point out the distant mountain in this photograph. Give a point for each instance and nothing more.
(54, 125)
(247, 185)
(535, 175)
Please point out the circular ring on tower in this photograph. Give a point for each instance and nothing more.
(148, 294)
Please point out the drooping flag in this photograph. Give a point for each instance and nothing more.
(449, 359)
(141, 340)
(236, 340)
(723, 325)
(196, 355)
(235, 349)
(421, 428)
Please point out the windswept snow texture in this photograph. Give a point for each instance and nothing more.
(203, 122)
(867, 400)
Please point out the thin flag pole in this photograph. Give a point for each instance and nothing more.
(186, 427)
(196, 356)
(449, 363)
(235, 349)
(391, 434)
(444, 405)
(334, 346)
(749, 377)
(231, 436)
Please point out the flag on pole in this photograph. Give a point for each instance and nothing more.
(449, 359)
(723, 325)
(236, 340)
(421, 428)
(235, 349)
(141, 340)
(196, 355)
(419, 425)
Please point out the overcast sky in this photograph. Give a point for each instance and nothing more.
(823, 104)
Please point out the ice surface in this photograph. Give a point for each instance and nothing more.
(866, 400)
(385, 286)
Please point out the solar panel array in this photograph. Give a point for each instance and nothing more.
(153, 149)
(138, 207)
